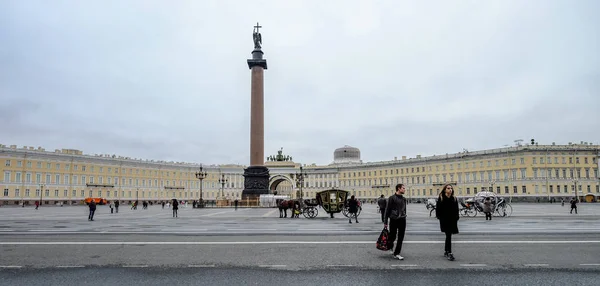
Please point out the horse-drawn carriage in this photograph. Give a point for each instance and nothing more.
(331, 201)
(472, 206)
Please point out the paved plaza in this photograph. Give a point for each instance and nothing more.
(526, 218)
(540, 243)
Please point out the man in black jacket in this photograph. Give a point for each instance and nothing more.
(382, 202)
(92, 206)
(396, 213)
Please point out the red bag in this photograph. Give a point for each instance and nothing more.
(382, 241)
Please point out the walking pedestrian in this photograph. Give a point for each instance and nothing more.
(352, 209)
(37, 204)
(573, 205)
(111, 205)
(382, 202)
(236, 204)
(175, 207)
(92, 206)
(446, 211)
(117, 206)
(395, 213)
(487, 208)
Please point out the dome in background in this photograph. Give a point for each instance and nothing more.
(346, 154)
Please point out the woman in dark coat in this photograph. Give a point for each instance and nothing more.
(446, 211)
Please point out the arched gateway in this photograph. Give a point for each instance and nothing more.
(284, 185)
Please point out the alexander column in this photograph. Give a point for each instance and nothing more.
(256, 176)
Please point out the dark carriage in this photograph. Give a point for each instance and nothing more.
(332, 201)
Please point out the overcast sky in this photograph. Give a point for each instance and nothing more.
(168, 80)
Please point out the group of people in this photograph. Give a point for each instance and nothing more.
(393, 211)
(115, 206)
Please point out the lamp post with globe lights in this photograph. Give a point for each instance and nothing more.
(201, 175)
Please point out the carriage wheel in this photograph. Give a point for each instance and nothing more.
(345, 212)
(469, 212)
(310, 212)
(358, 212)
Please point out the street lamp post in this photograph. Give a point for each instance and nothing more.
(41, 193)
(222, 181)
(300, 182)
(492, 185)
(201, 175)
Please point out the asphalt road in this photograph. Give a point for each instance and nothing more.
(325, 277)
(539, 245)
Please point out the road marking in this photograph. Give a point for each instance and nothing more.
(201, 266)
(285, 242)
(269, 213)
(224, 212)
(10, 266)
(248, 229)
(340, 265)
(6, 230)
(135, 266)
(70, 266)
(272, 266)
(474, 265)
(404, 265)
(536, 265)
(590, 264)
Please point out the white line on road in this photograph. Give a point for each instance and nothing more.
(248, 229)
(135, 266)
(229, 211)
(267, 266)
(404, 265)
(201, 266)
(536, 265)
(269, 213)
(70, 266)
(286, 242)
(10, 266)
(340, 265)
(6, 230)
(474, 265)
(590, 264)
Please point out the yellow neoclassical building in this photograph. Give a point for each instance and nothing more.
(523, 172)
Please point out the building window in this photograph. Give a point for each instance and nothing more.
(37, 193)
(57, 177)
(17, 192)
(534, 160)
(27, 192)
(522, 161)
(19, 163)
(18, 177)
(74, 193)
(7, 177)
(56, 193)
(7, 164)
(39, 165)
(506, 189)
(557, 189)
(524, 189)
(6, 192)
(551, 189)
(82, 193)
(28, 178)
(66, 193)
(514, 189)
(47, 193)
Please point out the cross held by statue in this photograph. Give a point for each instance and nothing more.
(257, 27)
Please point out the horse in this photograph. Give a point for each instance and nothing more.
(284, 205)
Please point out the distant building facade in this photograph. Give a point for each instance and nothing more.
(527, 172)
